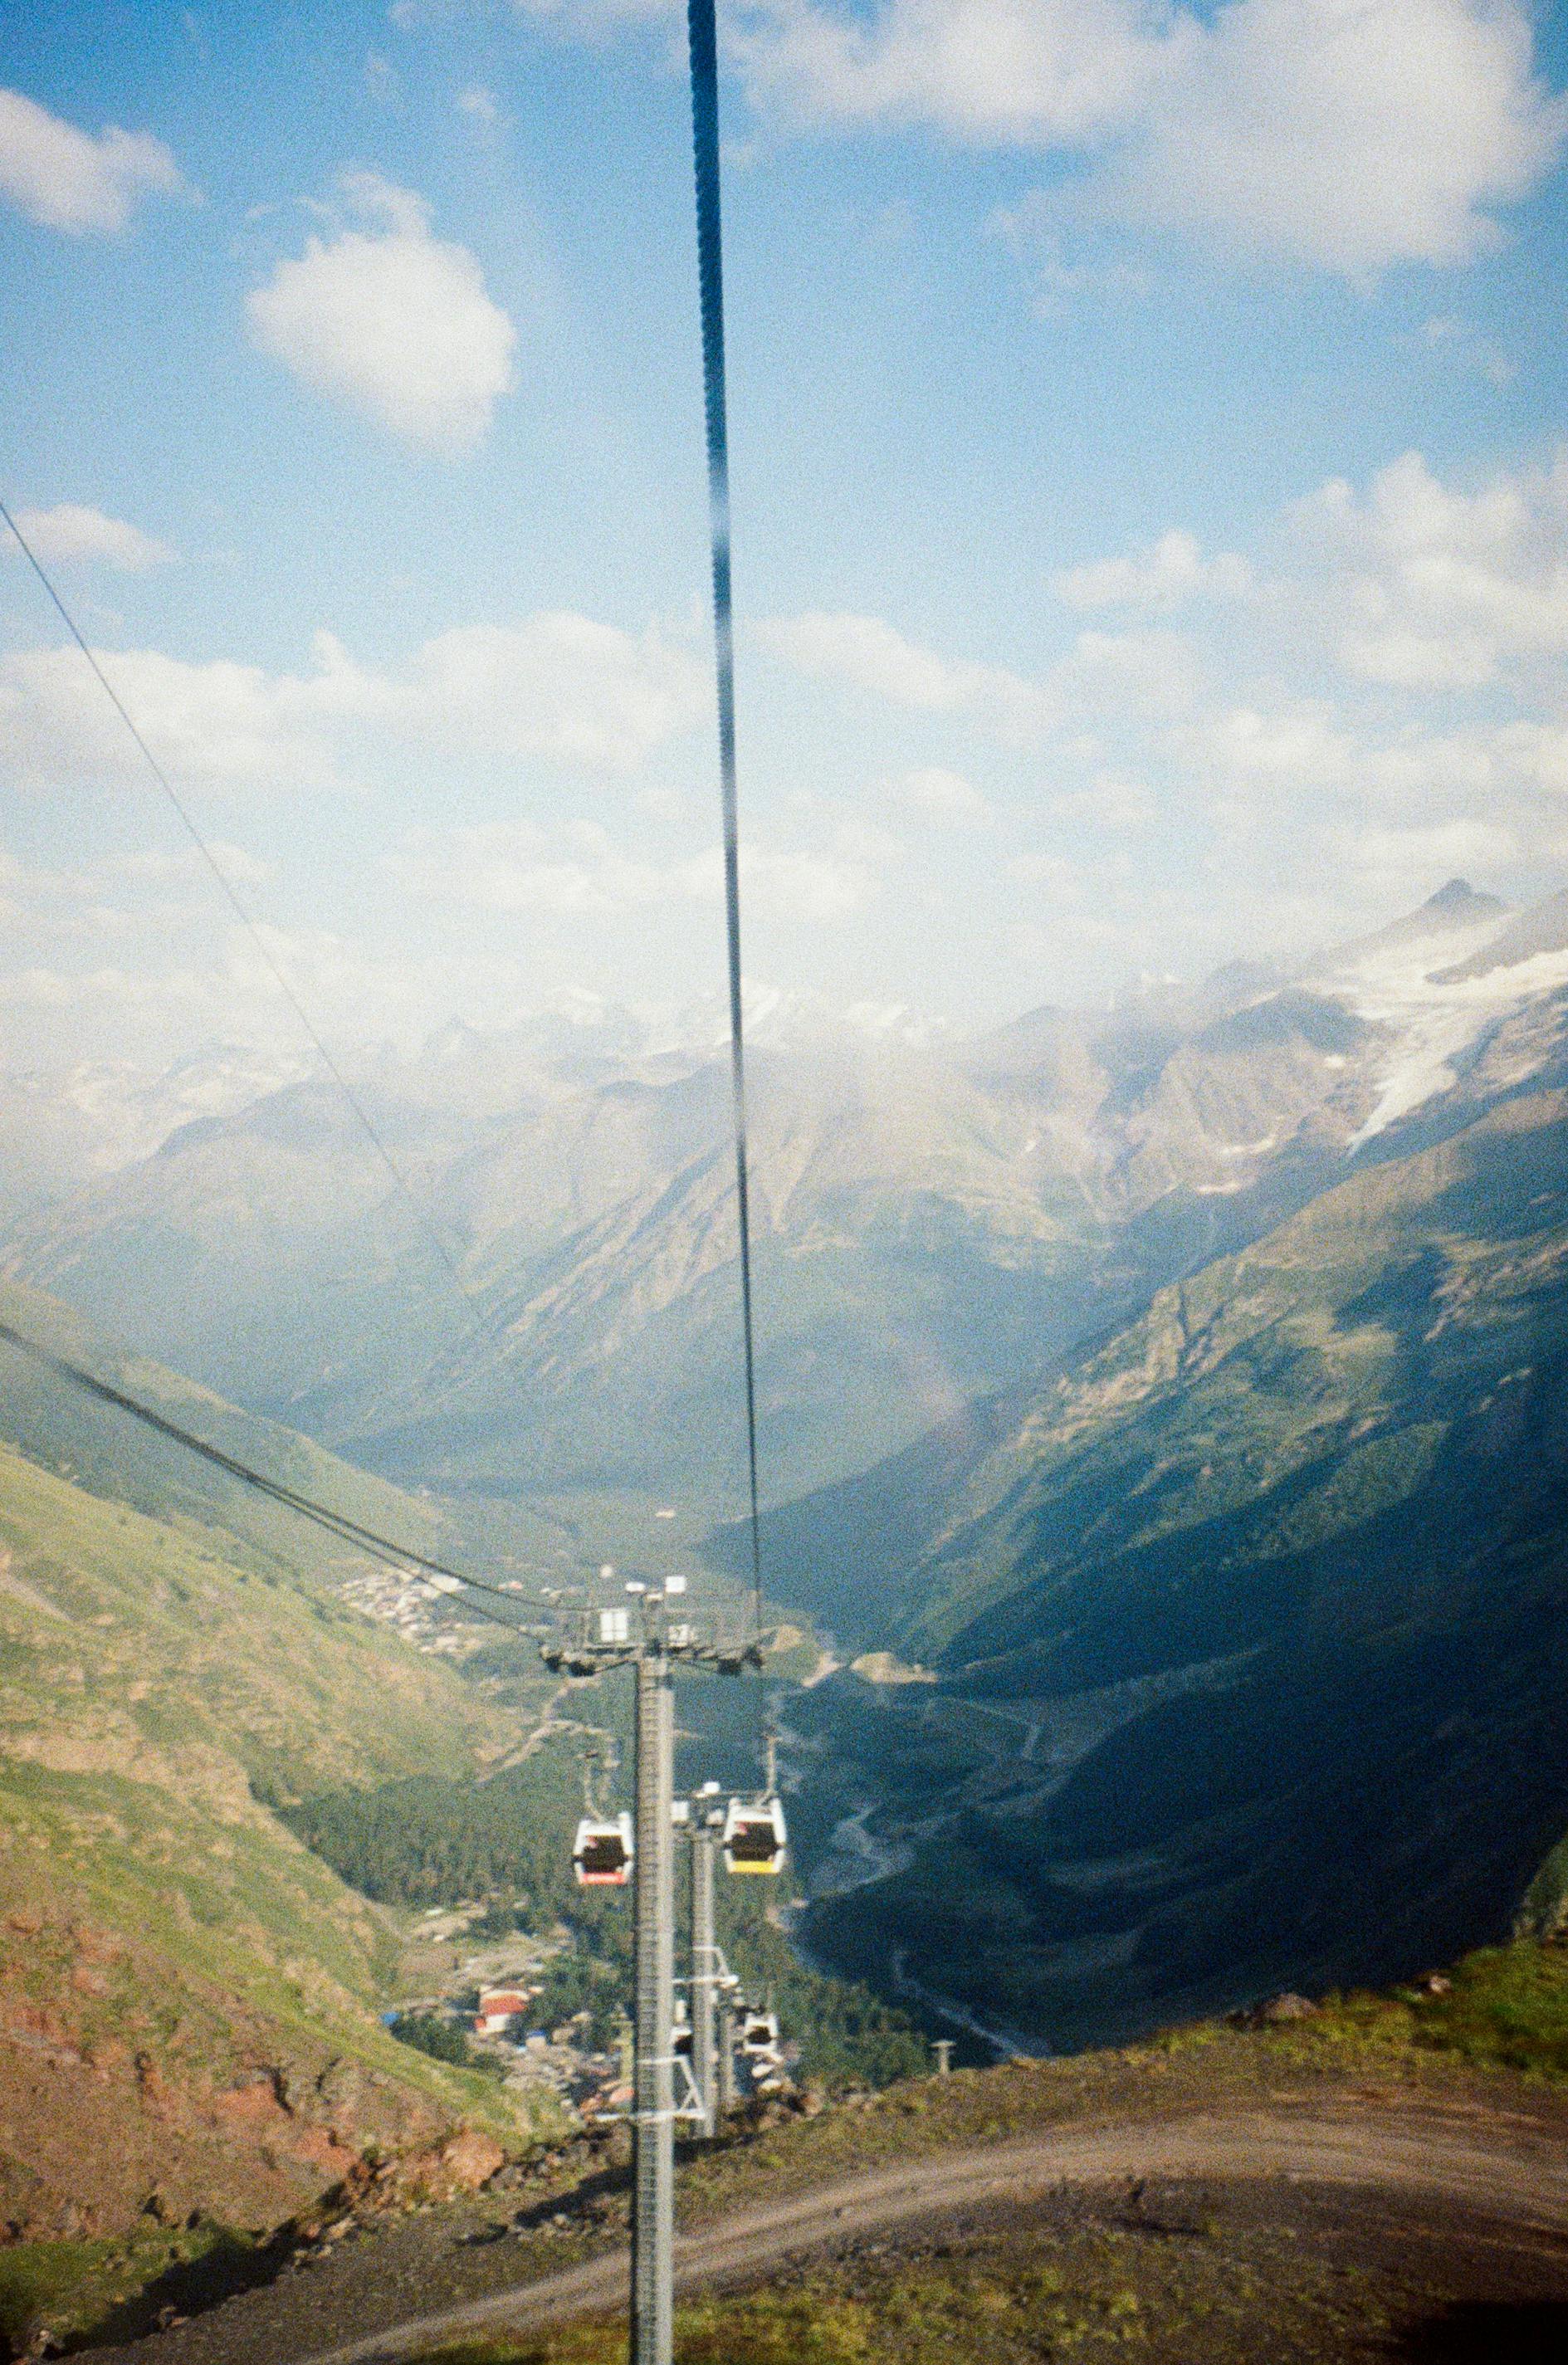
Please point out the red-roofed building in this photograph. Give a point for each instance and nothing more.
(499, 2009)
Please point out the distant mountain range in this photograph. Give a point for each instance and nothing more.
(937, 1218)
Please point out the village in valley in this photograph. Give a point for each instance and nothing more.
(487, 1997)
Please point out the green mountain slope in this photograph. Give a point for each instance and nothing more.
(1249, 1628)
(59, 1425)
(188, 1998)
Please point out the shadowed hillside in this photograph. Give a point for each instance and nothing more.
(1249, 1628)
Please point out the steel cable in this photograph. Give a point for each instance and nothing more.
(704, 51)
(251, 926)
(337, 1523)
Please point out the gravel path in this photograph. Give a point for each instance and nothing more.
(1491, 2169)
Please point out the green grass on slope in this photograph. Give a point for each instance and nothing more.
(1544, 1912)
(114, 2289)
(1010, 2294)
(147, 1688)
(61, 1426)
(1293, 1549)
(157, 1633)
(1507, 2008)
(1282, 1394)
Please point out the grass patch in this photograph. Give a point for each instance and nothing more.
(1507, 2008)
(85, 2292)
(1079, 2283)
(1508, 2005)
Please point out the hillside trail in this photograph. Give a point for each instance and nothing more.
(1484, 2169)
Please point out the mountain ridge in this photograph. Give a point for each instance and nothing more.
(934, 1219)
(1310, 1510)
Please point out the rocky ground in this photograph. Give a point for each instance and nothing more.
(1303, 2191)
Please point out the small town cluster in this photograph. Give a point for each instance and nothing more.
(491, 1998)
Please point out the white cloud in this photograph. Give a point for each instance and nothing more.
(556, 686)
(577, 872)
(1037, 228)
(1172, 570)
(1063, 879)
(1445, 332)
(1286, 750)
(872, 654)
(1441, 589)
(480, 105)
(594, 18)
(185, 867)
(940, 795)
(559, 685)
(1303, 793)
(126, 894)
(785, 884)
(228, 725)
(1350, 134)
(70, 534)
(68, 180)
(382, 83)
(1110, 803)
(1152, 671)
(1533, 756)
(1032, 71)
(1407, 859)
(154, 1010)
(517, 866)
(391, 321)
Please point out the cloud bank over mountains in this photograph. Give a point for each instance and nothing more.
(559, 686)
(1265, 746)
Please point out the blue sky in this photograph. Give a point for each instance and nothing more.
(1152, 537)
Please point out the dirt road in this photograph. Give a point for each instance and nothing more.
(1498, 2170)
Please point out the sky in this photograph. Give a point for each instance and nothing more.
(1151, 519)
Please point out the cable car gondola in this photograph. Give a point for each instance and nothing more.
(759, 2033)
(754, 1836)
(602, 1851)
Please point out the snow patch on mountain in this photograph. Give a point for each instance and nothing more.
(1436, 1019)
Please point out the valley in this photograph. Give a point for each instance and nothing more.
(1161, 1419)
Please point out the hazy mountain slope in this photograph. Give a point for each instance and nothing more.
(1264, 1607)
(60, 1425)
(913, 1244)
(187, 1998)
(936, 1220)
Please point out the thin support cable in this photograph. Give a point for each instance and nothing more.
(704, 48)
(337, 1523)
(237, 907)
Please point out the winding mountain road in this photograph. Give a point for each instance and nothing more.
(1485, 2166)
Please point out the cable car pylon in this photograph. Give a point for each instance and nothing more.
(646, 1637)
